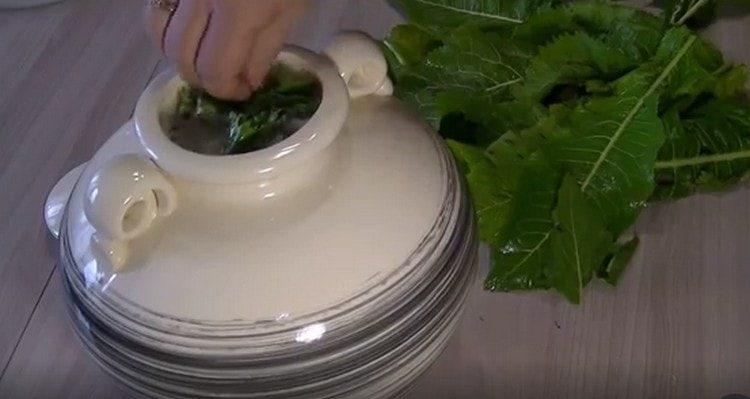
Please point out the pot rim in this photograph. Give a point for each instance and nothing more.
(312, 138)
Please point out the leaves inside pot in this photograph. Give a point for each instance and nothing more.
(208, 125)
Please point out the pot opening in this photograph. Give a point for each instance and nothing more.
(206, 125)
(261, 159)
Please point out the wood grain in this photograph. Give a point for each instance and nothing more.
(69, 75)
(676, 327)
(50, 362)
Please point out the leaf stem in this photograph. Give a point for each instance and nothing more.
(577, 252)
(722, 69)
(395, 53)
(469, 12)
(503, 84)
(634, 111)
(704, 159)
(692, 10)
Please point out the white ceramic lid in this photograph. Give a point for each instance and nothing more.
(330, 217)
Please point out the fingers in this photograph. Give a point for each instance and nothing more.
(268, 43)
(183, 37)
(224, 46)
(229, 39)
(156, 23)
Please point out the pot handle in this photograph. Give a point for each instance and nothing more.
(360, 63)
(122, 201)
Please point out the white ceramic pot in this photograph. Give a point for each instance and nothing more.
(334, 261)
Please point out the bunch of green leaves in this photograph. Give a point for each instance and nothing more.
(567, 119)
(255, 123)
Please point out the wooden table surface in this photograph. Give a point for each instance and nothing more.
(678, 326)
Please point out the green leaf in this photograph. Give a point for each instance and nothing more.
(517, 146)
(471, 60)
(591, 17)
(708, 150)
(468, 61)
(410, 43)
(638, 35)
(615, 141)
(492, 188)
(186, 99)
(257, 122)
(543, 26)
(572, 59)
(580, 242)
(696, 13)
(694, 75)
(631, 31)
(599, 16)
(492, 119)
(193, 102)
(476, 12)
(675, 182)
(252, 132)
(207, 108)
(731, 82)
(521, 262)
(596, 86)
(612, 268)
(612, 153)
(290, 81)
(587, 90)
(406, 46)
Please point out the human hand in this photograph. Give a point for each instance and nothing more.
(223, 46)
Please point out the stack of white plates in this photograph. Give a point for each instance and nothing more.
(372, 344)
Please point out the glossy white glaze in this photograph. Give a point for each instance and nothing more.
(272, 234)
(360, 64)
(57, 199)
(284, 256)
(123, 198)
(335, 264)
(273, 165)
